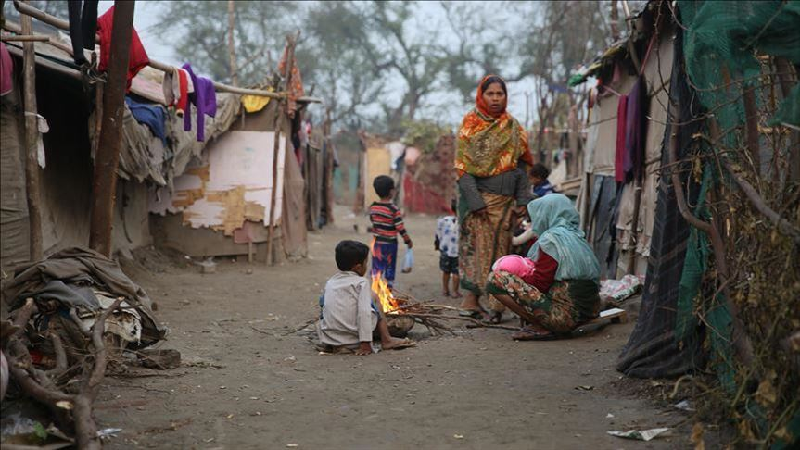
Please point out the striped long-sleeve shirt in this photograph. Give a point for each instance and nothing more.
(387, 222)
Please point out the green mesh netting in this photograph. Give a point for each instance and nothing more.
(722, 39)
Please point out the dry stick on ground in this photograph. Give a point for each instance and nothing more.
(468, 319)
(295, 330)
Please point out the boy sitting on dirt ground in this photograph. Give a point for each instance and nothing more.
(350, 319)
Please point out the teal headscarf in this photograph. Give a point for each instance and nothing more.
(555, 221)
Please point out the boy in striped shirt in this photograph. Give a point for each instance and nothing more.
(387, 223)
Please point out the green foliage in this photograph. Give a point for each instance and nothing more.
(202, 36)
(39, 431)
(423, 134)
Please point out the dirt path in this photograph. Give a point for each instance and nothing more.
(254, 386)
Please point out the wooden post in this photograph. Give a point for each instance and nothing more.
(751, 127)
(788, 79)
(232, 41)
(574, 141)
(280, 114)
(32, 171)
(634, 236)
(329, 157)
(106, 161)
(614, 22)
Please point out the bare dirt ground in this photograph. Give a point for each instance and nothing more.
(249, 382)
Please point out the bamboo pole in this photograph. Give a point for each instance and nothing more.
(107, 154)
(280, 115)
(32, 171)
(27, 10)
(25, 38)
(329, 200)
(232, 41)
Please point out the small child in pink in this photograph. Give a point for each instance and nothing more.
(517, 265)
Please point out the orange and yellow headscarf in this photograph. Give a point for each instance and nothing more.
(488, 144)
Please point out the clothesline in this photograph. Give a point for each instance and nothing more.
(63, 25)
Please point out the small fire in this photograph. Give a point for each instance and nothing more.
(389, 304)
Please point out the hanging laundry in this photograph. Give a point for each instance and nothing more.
(255, 103)
(635, 130)
(138, 55)
(619, 160)
(153, 116)
(82, 27)
(295, 88)
(204, 98)
(176, 89)
(168, 86)
(6, 71)
(186, 88)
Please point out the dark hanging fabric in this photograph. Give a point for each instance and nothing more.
(82, 27)
(635, 129)
(654, 349)
(604, 204)
(619, 157)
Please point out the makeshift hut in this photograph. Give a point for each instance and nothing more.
(360, 158)
(429, 178)
(717, 163)
(614, 196)
(377, 161)
(66, 163)
(221, 204)
(348, 176)
(157, 160)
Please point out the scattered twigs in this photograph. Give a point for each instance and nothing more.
(299, 328)
(749, 191)
(468, 319)
(784, 226)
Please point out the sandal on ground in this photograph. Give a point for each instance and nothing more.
(531, 334)
(472, 313)
(493, 317)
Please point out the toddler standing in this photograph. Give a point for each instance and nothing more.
(446, 243)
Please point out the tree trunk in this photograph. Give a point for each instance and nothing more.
(614, 21)
(107, 154)
(232, 41)
(32, 171)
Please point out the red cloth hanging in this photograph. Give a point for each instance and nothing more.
(619, 160)
(182, 83)
(138, 55)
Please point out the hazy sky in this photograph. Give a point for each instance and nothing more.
(446, 107)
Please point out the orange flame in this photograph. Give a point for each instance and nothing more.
(389, 304)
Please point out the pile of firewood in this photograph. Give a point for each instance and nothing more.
(70, 402)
